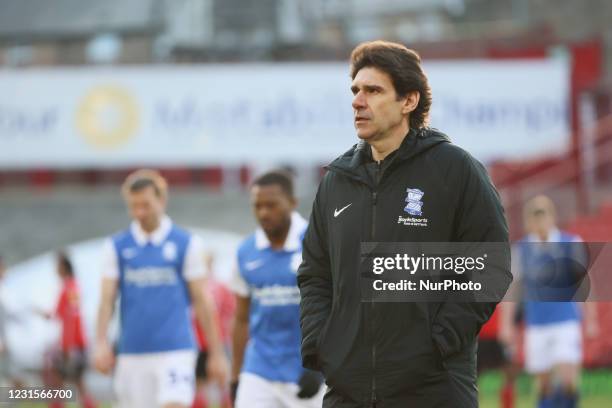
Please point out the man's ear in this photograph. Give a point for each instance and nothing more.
(411, 102)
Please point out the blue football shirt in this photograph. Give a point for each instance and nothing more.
(269, 278)
(153, 273)
(535, 262)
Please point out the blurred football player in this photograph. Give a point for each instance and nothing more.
(267, 370)
(546, 264)
(68, 364)
(156, 267)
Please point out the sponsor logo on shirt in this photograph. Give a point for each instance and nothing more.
(277, 295)
(151, 276)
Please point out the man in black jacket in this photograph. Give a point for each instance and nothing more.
(395, 355)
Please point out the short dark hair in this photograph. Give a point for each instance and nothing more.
(63, 259)
(403, 65)
(143, 178)
(281, 178)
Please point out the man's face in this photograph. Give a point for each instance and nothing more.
(542, 221)
(146, 207)
(272, 208)
(377, 110)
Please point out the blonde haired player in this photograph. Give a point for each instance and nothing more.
(545, 267)
(156, 267)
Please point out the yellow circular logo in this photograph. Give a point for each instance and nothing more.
(107, 116)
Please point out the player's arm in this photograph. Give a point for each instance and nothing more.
(103, 355)
(240, 324)
(240, 334)
(589, 308)
(507, 329)
(205, 311)
(509, 307)
(57, 312)
(103, 352)
(204, 308)
(44, 313)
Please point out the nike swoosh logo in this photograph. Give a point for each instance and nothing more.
(253, 264)
(129, 253)
(337, 212)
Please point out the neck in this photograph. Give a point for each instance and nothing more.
(385, 145)
(277, 241)
(151, 227)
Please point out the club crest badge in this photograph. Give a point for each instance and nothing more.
(414, 203)
(169, 251)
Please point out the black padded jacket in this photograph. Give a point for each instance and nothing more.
(385, 354)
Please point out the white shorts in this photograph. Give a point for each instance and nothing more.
(257, 392)
(153, 379)
(552, 344)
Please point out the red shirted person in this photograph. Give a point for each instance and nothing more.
(68, 366)
(68, 312)
(225, 305)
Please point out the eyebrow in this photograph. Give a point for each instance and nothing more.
(539, 213)
(355, 88)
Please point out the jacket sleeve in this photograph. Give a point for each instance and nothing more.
(314, 282)
(479, 219)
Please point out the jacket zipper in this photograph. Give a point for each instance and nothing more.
(372, 320)
(372, 328)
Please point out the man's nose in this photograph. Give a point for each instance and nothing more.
(139, 213)
(359, 101)
(262, 214)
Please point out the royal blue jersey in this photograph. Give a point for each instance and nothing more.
(547, 280)
(269, 277)
(154, 301)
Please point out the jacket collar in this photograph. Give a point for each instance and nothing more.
(416, 142)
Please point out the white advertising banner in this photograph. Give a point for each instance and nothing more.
(237, 113)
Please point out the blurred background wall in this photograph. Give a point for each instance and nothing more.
(56, 41)
(212, 92)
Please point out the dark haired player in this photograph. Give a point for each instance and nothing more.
(267, 370)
